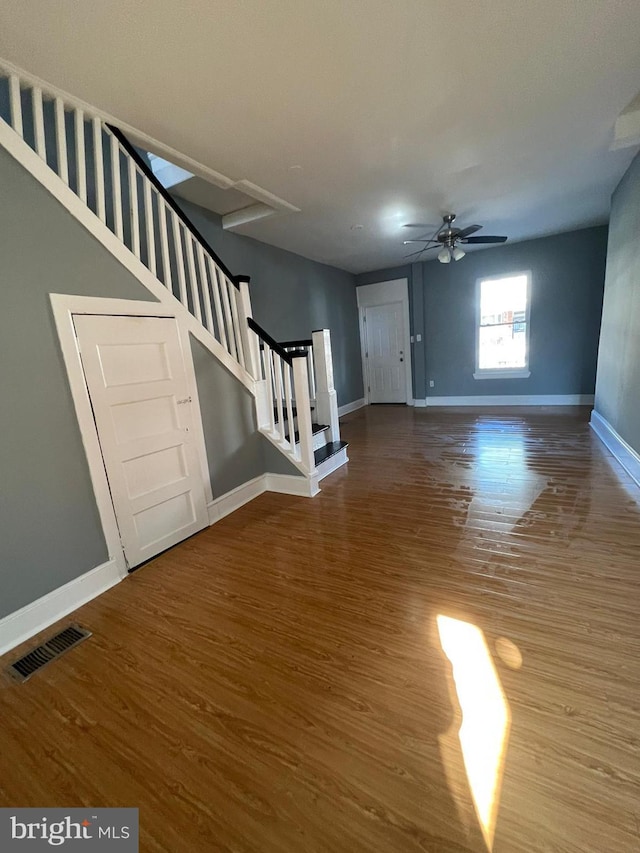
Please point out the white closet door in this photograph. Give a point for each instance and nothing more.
(137, 383)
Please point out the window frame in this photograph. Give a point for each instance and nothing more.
(503, 372)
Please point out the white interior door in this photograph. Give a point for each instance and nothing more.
(137, 382)
(385, 354)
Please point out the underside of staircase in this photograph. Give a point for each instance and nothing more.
(104, 181)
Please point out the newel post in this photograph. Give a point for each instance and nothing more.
(249, 338)
(326, 396)
(303, 409)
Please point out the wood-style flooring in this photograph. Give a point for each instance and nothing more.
(316, 675)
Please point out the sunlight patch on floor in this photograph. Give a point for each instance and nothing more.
(486, 718)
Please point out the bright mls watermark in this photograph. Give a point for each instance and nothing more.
(82, 830)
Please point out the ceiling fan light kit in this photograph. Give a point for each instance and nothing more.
(447, 238)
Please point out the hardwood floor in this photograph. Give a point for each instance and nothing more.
(294, 678)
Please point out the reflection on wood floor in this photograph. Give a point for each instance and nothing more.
(282, 683)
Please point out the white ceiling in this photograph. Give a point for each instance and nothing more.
(500, 110)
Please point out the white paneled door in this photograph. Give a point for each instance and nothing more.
(137, 382)
(385, 335)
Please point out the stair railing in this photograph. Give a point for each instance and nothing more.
(320, 370)
(286, 401)
(98, 163)
(110, 176)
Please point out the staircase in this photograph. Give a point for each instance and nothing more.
(92, 168)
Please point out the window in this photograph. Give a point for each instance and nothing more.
(502, 350)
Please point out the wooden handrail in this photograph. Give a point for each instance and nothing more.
(272, 342)
(148, 172)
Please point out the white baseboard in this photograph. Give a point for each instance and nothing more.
(511, 400)
(233, 500)
(419, 404)
(353, 406)
(623, 452)
(289, 484)
(286, 484)
(35, 617)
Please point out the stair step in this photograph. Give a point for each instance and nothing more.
(328, 451)
(315, 429)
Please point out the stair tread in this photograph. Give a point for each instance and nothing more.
(328, 451)
(315, 428)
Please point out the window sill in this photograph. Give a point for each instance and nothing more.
(520, 373)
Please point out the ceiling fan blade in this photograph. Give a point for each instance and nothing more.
(406, 242)
(487, 238)
(470, 229)
(420, 225)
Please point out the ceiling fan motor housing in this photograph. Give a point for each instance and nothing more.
(448, 235)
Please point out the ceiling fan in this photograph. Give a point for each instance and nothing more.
(446, 238)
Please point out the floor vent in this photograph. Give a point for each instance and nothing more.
(25, 667)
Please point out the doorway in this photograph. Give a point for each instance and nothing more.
(142, 400)
(384, 353)
(385, 342)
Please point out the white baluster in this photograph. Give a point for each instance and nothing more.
(233, 299)
(266, 354)
(98, 156)
(326, 397)
(195, 293)
(303, 409)
(16, 104)
(312, 373)
(61, 141)
(289, 402)
(116, 187)
(206, 297)
(224, 287)
(38, 122)
(177, 242)
(215, 289)
(277, 372)
(164, 243)
(134, 216)
(249, 338)
(81, 163)
(150, 227)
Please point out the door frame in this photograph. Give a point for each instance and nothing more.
(385, 293)
(64, 307)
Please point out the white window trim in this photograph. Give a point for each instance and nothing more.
(503, 372)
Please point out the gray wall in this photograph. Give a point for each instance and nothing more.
(618, 382)
(291, 296)
(567, 273)
(236, 452)
(50, 531)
